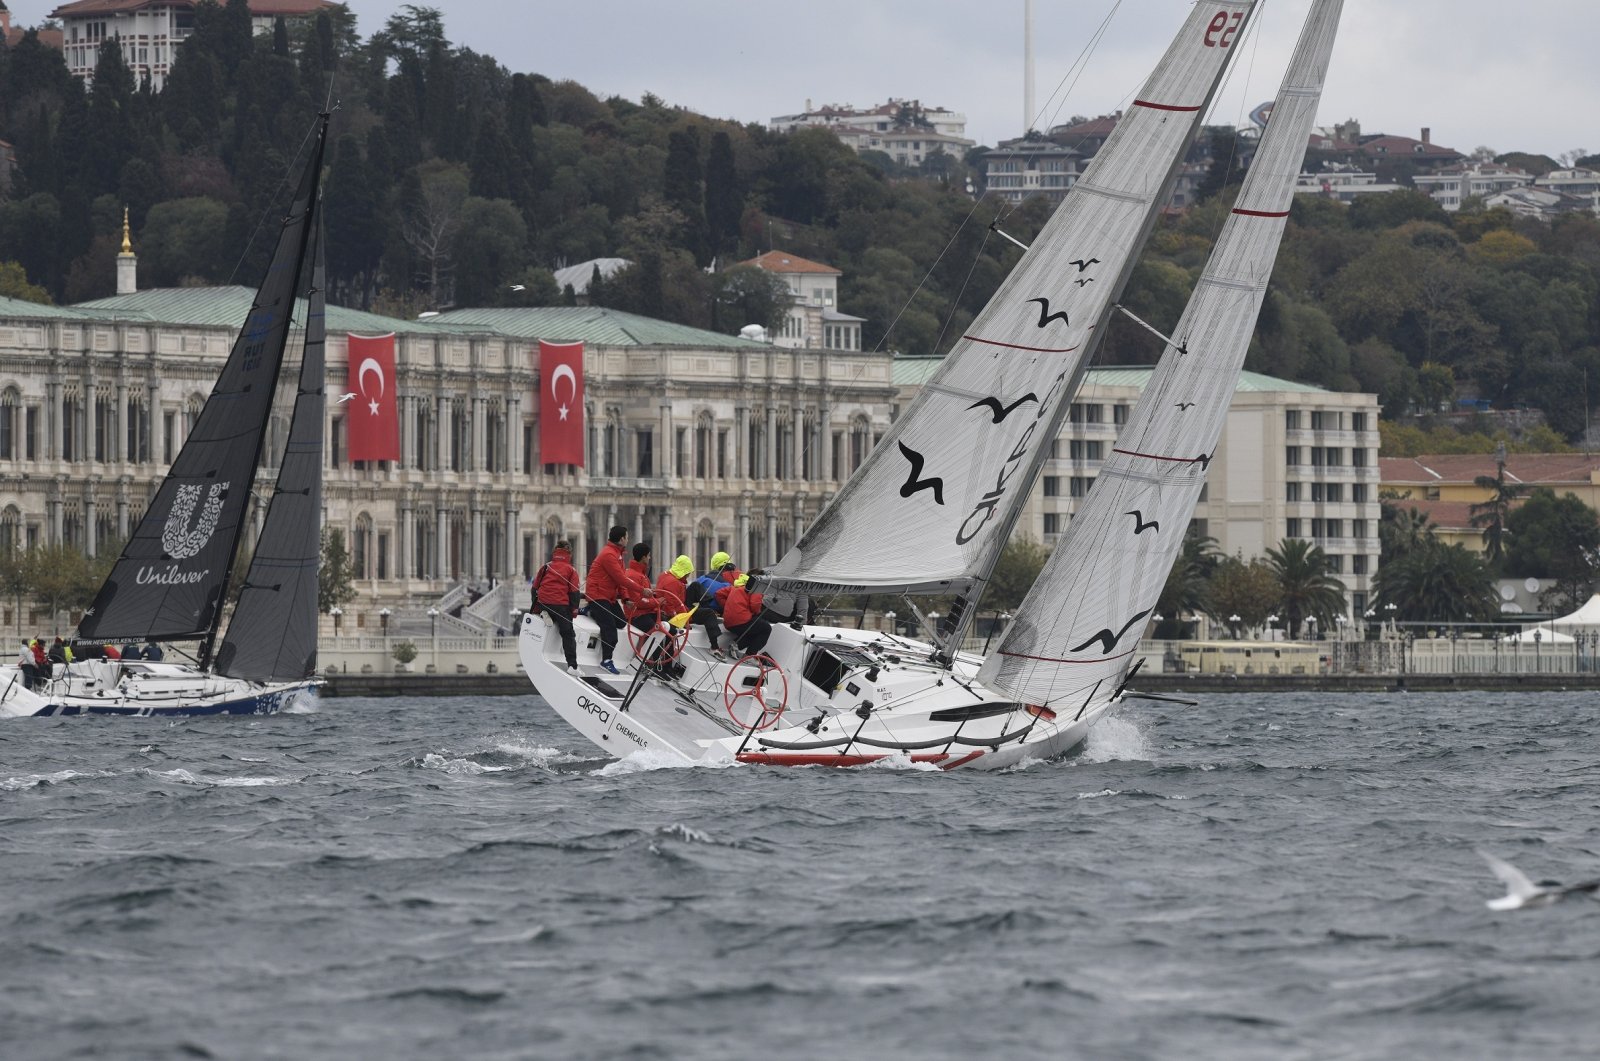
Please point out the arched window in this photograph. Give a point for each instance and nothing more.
(361, 547)
(11, 529)
(705, 542)
(552, 534)
(425, 551)
(106, 537)
(10, 423)
(704, 431)
(860, 440)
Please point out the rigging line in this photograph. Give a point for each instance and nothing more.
(1252, 31)
(270, 209)
(966, 281)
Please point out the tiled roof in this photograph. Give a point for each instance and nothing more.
(915, 371)
(1528, 469)
(783, 262)
(1446, 515)
(590, 324)
(227, 307)
(1404, 147)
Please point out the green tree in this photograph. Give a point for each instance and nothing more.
(336, 574)
(724, 205)
(1185, 590)
(1015, 573)
(1490, 515)
(1246, 590)
(745, 295)
(1306, 586)
(1402, 530)
(59, 576)
(184, 238)
(1555, 537)
(14, 284)
(1437, 583)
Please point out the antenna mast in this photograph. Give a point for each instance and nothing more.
(1027, 66)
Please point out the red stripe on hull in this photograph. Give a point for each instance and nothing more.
(1261, 213)
(967, 758)
(1163, 106)
(1014, 346)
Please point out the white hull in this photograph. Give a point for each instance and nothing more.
(142, 689)
(847, 698)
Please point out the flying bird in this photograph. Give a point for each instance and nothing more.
(347, 397)
(518, 287)
(1521, 892)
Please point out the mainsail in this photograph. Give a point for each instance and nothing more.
(273, 633)
(936, 499)
(171, 579)
(1076, 630)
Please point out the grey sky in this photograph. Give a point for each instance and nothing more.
(1475, 71)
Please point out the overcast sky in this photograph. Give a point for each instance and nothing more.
(1477, 72)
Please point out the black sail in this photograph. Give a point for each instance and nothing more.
(272, 635)
(171, 579)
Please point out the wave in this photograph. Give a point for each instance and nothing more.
(27, 781)
(1115, 739)
(184, 777)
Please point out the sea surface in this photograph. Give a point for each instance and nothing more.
(1264, 876)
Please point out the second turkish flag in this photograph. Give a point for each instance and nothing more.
(374, 412)
(561, 403)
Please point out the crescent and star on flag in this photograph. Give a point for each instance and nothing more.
(370, 365)
(562, 407)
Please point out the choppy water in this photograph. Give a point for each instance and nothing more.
(1284, 876)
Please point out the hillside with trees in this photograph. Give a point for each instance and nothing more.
(453, 181)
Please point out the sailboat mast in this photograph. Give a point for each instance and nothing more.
(309, 187)
(964, 611)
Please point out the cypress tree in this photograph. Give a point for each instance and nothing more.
(724, 207)
(683, 189)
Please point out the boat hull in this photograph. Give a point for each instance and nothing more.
(144, 690)
(826, 697)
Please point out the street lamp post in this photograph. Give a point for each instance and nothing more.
(336, 612)
(383, 620)
(1538, 663)
(433, 636)
(1311, 628)
(888, 617)
(1272, 626)
(1233, 625)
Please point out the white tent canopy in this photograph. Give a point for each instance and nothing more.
(1588, 615)
(1548, 636)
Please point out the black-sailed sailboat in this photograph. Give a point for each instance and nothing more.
(171, 582)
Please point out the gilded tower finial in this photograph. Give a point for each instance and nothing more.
(127, 243)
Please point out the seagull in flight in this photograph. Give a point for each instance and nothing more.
(518, 287)
(1521, 892)
(347, 397)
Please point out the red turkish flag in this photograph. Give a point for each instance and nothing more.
(561, 403)
(374, 411)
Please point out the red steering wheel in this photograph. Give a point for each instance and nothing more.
(762, 700)
(662, 641)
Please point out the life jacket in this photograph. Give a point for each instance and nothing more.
(607, 576)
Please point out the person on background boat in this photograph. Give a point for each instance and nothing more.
(153, 653)
(40, 660)
(555, 592)
(742, 612)
(27, 668)
(605, 586)
(60, 652)
(132, 652)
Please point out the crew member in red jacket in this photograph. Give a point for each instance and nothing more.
(555, 592)
(605, 586)
(639, 600)
(742, 613)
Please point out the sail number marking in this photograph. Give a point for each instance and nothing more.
(1219, 34)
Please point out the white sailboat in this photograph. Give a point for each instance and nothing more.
(933, 505)
(172, 579)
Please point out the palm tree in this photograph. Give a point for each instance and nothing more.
(1438, 583)
(1491, 514)
(1403, 530)
(1305, 586)
(1185, 590)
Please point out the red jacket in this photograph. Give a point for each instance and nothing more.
(742, 606)
(557, 581)
(669, 588)
(636, 590)
(607, 576)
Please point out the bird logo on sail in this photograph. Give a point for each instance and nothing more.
(1000, 412)
(1045, 316)
(179, 539)
(1108, 640)
(914, 480)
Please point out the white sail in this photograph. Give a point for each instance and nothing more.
(938, 495)
(1075, 631)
